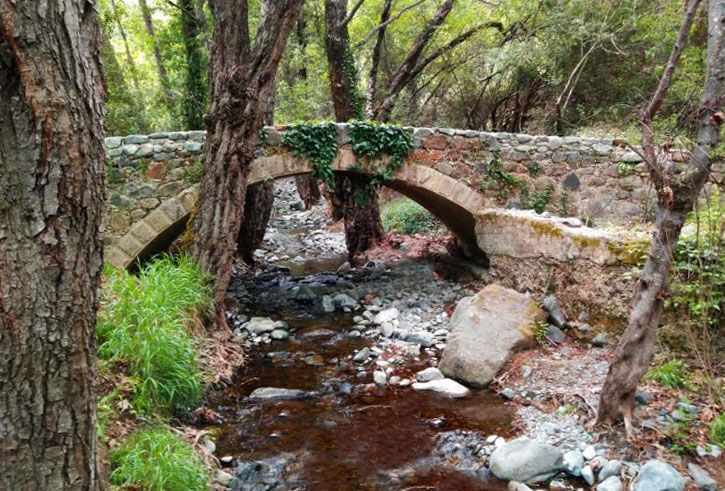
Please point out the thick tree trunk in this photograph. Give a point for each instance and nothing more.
(194, 104)
(363, 226)
(51, 199)
(678, 187)
(160, 68)
(309, 190)
(260, 198)
(242, 77)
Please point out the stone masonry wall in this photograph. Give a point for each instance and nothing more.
(597, 180)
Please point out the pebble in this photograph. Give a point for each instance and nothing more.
(362, 355)
(573, 461)
(279, 334)
(611, 468)
(429, 374)
(701, 477)
(379, 377)
(589, 452)
(588, 475)
(612, 483)
(445, 386)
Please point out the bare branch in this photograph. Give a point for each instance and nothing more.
(352, 13)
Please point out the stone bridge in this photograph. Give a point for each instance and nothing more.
(478, 184)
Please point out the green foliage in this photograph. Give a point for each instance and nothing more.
(698, 285)
(540, 330)
(374, 140)
(155, 459)
(405, 216)
(533, 168)
(672, 374)
(316, 143)
(537, 200)
(194, 172)
(625, 169)
(717, 430)
(496, 178)
(350, 72)
(143, 324)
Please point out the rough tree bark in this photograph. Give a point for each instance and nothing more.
(194, 104)
(260, 198)
(375, 60)
(242, 77)
(678, 187)
(51, 199)
(363, 226)
(160, 68)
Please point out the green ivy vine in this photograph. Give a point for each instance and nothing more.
(316, 143)
(374, 140)
(350, 72)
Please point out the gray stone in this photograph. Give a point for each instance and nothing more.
(589, 452)
(423, 338)
(343, 300)
(571, 182)
(264, 394)
(588, 474)
(362, 355)
(518, 486)
(572, 462)
(708, 450)
(113, 142)
(701, 477)
(386, 315)
(328, 305)
(130, 149)
(192, 146)
(486, 330)
(600, 340)
(656, 475)
(136, 139)
(279, 334)
(554, 334)
(508, 393)
(445, 386)
(612, 483)
(223, 478)
(429, 374)
(379, 377)
(552, 307)
(260, 325)
(526, 461)
(611, 468)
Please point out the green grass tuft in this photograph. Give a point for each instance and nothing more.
(672, 374)
(405, 216)
(717, 430)
(155, 459)
(143, 324)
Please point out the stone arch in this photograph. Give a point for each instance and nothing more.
(450, 200)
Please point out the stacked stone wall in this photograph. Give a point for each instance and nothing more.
(598, 180)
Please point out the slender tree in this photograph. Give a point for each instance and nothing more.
(51, 201)
(160, 68)
(678, 187)
(241, 82)
(194, 103)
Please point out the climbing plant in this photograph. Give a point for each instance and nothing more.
(350, 71)
(316, 142)
(374, 140)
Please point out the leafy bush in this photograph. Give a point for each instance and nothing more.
(155, 459)
(143, 324)
(671, 374)
(717, 430)
(405, 216)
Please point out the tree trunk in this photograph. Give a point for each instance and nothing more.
(241, 85)
(371, 99)
(51, 201)
(309, 190)
(194, 104)
(363, 227)
(678, 187)
(163, 76)
(260, 198)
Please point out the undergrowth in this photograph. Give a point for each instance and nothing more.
(155, 459)
(717, 430)
(672, 374)
(405, 216)
(143, 324)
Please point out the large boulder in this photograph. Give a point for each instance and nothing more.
(485, 330)
(526, 461)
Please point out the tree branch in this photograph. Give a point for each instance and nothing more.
(352, 13)
(383, 25)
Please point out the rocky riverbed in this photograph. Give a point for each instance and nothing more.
(342, 390)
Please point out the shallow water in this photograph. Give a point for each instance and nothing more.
(350, 434)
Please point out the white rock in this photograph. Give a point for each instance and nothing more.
(589, 452)
(429, 374)
(387, 315)
(379, 377)
(445, 386)
(612, 483)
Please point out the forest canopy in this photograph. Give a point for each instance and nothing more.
(536, 66)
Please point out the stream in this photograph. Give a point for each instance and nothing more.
(325, 400)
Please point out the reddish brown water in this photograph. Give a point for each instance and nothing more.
(349, 439)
